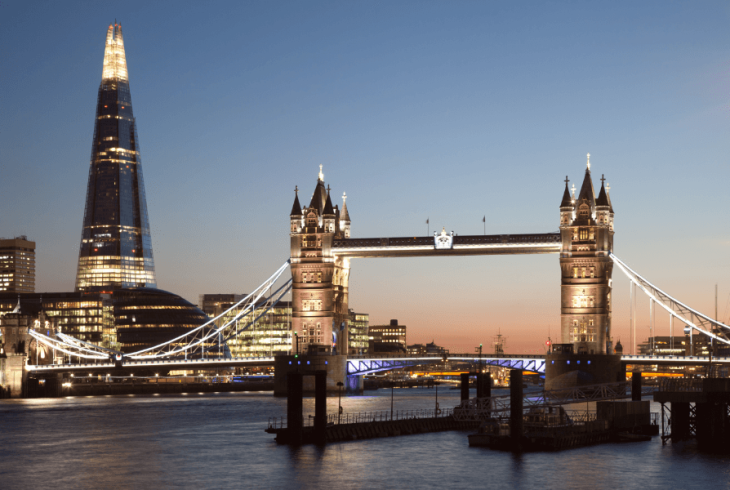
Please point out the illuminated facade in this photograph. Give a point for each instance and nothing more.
(88, 317)
(116, 248)
(270, 335)
(358, 339)
(17, 264)
(320, 279)
(586, 231)
(387, 338)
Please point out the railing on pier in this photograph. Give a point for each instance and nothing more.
(681, 384)
(367, 417)
(496, 406)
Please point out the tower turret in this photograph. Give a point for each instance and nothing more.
(586, 227)
(345, 218)
(295, 217)
(328, 214)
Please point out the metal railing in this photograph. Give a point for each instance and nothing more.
(681, 384)
(366, 417)
(495, 406)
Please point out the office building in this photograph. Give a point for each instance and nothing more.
(116, 247)
(17, 265)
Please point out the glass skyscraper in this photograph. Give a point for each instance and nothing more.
(116, 248)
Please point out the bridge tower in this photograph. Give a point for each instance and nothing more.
(586, 229)
(320, 279)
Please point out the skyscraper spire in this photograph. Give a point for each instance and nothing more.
(116, 247)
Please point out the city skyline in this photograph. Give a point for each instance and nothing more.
(433, 117)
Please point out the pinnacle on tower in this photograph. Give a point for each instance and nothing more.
(319, 197)
(567, 201)
(602, 196)
(296, 209)
(345, 215)
(586, 190)
(328, 209)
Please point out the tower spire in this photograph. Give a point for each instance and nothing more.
(115, 60)
(296, 209)
(566, 202)
(116, 247)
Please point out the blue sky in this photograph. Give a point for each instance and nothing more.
(442, 110)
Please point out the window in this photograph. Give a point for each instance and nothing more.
(584, 234)
(575, 272)
(583, 272)
(593, 272)
(319, 277)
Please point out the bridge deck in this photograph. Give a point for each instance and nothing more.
(541, 243)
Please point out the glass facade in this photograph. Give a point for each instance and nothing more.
(270, 335)
(145, 317)
(88, 317)
(127, 320)
(116, 247)
(357, 333)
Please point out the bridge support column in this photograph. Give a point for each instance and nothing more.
(480, 388)
(464, 386)
(354, 385)
(515, 408)
(294, 422)
(680, 421)
(636, 386)
(320, 407)
(487, 385)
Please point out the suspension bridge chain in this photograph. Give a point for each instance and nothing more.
(691, 317)
(193, 344)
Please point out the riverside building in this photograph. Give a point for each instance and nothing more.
(17, 265)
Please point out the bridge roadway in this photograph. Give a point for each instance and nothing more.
(364, 364)
(539, 243)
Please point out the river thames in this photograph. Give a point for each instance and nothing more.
(218, 441)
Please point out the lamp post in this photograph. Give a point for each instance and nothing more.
(392, 394)
(479, 350)
(340, 384)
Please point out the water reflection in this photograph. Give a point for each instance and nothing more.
(211, 441)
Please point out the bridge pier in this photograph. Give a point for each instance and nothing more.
(515, 408)
(464, 387)
(334, 365)
(294, 416)
(636, 386)
(355, 384)
(320, 407)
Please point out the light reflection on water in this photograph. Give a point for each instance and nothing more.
(217, 441)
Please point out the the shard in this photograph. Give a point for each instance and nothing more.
(116, 248)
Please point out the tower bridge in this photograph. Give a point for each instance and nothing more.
(321, 251)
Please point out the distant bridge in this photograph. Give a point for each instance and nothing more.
(364, 365)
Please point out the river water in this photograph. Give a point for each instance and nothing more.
(218, 441)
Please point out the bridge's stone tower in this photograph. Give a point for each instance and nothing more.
(586, 229)
(320, 279)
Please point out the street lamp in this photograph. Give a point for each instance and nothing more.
(479, 350)
(340, 384)
(392, 394)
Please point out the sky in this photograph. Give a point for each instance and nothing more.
(447, 111)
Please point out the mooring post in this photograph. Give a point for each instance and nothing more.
(679, 421)
(294, 408)
(636, 386)
(515, 408)
(320, 407)
(464, 386)
(487, 382)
